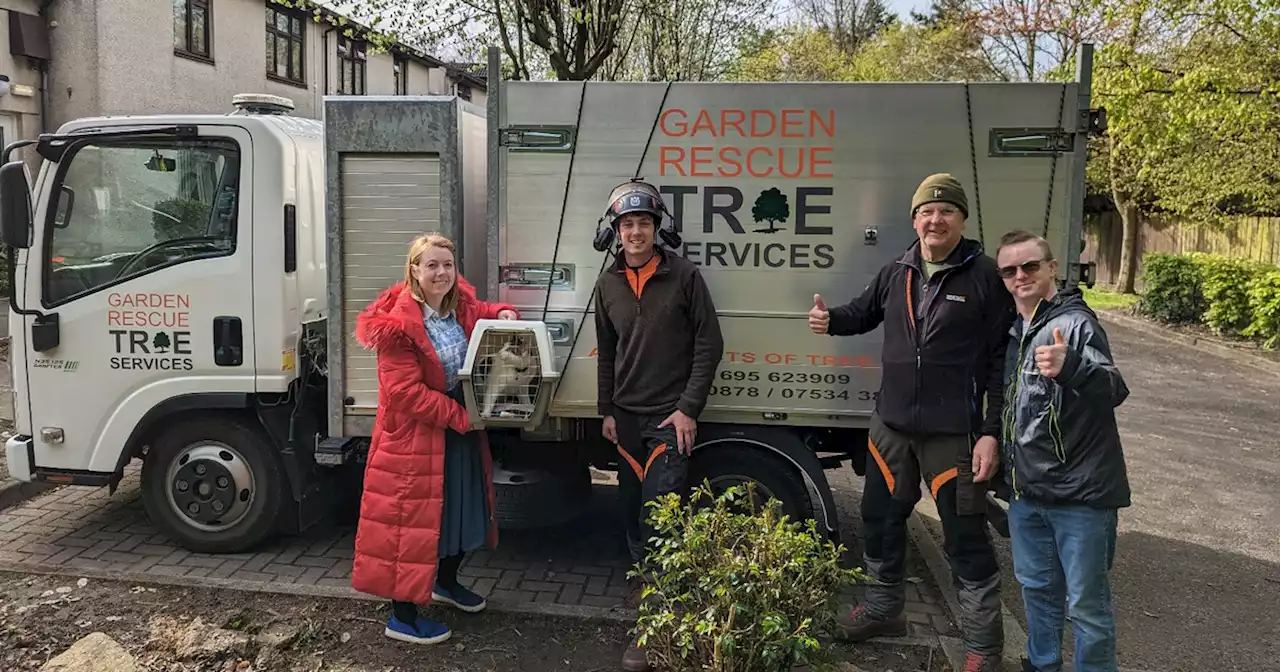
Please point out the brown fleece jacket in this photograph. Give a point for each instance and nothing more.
(658, 337)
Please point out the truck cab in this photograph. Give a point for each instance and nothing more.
(163, 271)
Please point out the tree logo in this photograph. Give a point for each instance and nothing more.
(161, 342)
(771, 206)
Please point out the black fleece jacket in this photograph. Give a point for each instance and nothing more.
(658, 337)
(944, 341)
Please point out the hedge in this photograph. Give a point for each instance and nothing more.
(1232, 297)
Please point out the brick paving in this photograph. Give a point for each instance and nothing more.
(579, 568)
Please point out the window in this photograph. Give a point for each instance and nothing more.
(191, 28)
(464, 91)
(124, 208)
(351, 66)
(285, 41)
(400, 68)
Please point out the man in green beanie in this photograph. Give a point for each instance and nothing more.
(946, 318)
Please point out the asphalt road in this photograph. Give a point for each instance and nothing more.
(1197, 572)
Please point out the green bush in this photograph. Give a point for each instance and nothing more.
(1225, 286)
(736, 587)
(1264, 307)
(1172, 289)
(1230, 296)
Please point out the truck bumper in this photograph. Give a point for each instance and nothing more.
(17, 451)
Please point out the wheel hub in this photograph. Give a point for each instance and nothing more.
(211, 486)
(720, 484)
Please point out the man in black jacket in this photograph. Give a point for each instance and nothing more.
(1065, 463)
(946, 318)
(659, 345)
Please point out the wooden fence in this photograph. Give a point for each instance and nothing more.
(1255, 238)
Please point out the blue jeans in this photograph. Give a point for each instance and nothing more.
(1064, 554)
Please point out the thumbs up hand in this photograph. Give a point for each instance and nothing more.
(819, 316)
(1050, 358)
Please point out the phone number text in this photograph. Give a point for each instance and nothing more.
(738, 384)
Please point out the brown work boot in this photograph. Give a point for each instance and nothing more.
(977, 662)
(860, 625)
(634, 658)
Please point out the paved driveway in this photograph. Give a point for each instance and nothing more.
(1197, 575)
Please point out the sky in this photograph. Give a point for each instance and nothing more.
(903, 7)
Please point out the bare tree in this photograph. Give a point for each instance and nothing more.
(850, 23)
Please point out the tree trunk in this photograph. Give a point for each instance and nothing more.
(1131, 218)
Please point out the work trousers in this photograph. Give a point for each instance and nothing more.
(896, 462)
(651, 466)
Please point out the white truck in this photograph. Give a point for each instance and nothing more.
(185, 286)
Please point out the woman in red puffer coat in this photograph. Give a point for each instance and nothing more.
(428, 488)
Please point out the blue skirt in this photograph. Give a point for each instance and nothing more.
(464, 519)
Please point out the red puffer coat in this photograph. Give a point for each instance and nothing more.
(396, 542)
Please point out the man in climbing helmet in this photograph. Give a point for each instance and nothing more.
(659, 345)
(638, 198)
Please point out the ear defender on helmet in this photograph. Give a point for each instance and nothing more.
(605, 235)
(635, 195)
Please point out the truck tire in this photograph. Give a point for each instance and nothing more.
(213, 485)
(725, 466)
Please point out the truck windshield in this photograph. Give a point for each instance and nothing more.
(124, 208)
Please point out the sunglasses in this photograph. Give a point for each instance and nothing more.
(1030, 268)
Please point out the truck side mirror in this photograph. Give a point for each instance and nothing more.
(15, 205)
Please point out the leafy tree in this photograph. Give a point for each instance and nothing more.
(161, 342)
(771, 206)
(1191, 91)
(793, 55)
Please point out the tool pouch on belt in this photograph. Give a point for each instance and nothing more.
(970, 497)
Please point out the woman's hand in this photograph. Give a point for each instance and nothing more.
(508, 315)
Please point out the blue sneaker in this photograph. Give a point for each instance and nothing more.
(423, 631)
(459, 597)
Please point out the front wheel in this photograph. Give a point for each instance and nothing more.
(726, 466)
(213, 485)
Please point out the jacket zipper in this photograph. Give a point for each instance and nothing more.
(1011, 410)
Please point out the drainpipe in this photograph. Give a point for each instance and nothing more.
(44, 69)
(324, 58)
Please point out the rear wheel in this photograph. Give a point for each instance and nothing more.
(213, 485)
(727, 466)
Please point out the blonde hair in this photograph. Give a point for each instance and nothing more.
(418, 247)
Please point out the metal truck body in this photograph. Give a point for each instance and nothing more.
(222, 355)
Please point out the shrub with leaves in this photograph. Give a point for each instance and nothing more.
(1264, 307)
(1225, 286)
(736, 587)
(1172, 290)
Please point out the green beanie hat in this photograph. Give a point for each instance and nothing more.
(940, 188)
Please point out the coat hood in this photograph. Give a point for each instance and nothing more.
(388, 318)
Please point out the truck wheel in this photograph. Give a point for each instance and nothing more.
(727, 466)
(212, 485)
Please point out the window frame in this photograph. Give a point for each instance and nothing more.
(186, 49)
(298, 42)
(357, 58)
(400, 73)
(129, 142)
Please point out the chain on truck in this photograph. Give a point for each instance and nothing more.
(185, 287)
